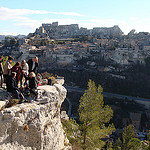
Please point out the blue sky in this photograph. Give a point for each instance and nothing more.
(24, 16)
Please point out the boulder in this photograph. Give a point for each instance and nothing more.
(35, 126)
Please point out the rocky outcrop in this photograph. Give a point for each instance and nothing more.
(36, 125)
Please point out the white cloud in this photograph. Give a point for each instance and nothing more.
(124, 26)
(7, 13)
(19, 19)
(66, 13)
(133, 18)
(8, 33)
(33, 24)
(139, 24)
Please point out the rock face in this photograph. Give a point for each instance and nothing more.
(33, 126)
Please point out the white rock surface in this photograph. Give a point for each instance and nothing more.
(31, 126)
(60, 80)
(2, 103)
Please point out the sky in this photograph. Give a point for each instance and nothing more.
(24, 16)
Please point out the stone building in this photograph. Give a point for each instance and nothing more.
(67, 31)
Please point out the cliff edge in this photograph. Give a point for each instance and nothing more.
(36, 125)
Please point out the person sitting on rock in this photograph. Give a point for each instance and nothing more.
(12, 87)
(32, 84)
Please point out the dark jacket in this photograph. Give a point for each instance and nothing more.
(11, 83)
(30, 63)
(1, 68)
(32, 83)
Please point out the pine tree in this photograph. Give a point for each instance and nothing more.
(148, 136)
(94, 118)
(129, 141)
(134, 144)
(127, 135)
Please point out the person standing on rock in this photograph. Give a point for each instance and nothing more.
(33, 64)
(1, 70)
(7, 67)
(16, 68)
(25, 72)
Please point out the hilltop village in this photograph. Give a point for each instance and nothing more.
(103, 54)
(63, 45)
(119, 62)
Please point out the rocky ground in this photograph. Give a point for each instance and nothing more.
(35, 125)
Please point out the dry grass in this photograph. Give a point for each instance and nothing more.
(21, 111)
(12, 102)
(2, 108)
(76, 147)
(26, 128)
(59, 106)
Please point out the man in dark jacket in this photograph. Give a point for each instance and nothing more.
(33, 64)
(11, 84)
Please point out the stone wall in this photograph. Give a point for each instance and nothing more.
(36, 125)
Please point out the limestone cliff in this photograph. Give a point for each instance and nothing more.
(35, 126)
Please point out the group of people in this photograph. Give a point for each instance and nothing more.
(20, 76)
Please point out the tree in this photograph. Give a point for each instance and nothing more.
(134, 144)
(129, 142)
(109, 146)
(94, 118)
(128, 134)
(5, 58)
(71, 129)
(148, 136)
(11, 41)
(117, 145)
(147, 61)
